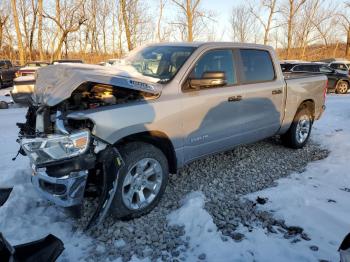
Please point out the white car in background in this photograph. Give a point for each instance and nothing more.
(23, 85)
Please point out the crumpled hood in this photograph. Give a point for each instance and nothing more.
(56, 83)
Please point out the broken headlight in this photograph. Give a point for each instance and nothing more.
(56, 147)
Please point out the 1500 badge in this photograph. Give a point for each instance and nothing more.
(140, 85)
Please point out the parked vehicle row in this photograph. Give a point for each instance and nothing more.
(121, 130)
(338, 80)
(23, 85)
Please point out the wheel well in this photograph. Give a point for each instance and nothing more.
(157, 139)
(310, 104)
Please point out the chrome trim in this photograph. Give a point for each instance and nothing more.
(74, 183)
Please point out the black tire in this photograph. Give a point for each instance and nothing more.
(131, 154)
(342, 87)
(289, 139)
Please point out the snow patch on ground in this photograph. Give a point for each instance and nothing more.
(317, 200)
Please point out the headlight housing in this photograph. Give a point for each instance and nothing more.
(56, 147)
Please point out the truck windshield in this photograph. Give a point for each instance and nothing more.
(162, 62)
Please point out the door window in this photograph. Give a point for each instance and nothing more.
(257, 66)
(213, 61)
(325, 69)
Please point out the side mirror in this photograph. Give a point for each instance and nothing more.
(209, 79)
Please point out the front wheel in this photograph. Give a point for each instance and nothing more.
(342, 87)
(300, 130)
(142, 180)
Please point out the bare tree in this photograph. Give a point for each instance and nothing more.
(161, 7)
(68, 19)
(4, 16)
(242, 23)
(126, 24)
(345, 22)
(290, 10)
(192, 18)
(18, 33)
(40, 29)
(270, 5)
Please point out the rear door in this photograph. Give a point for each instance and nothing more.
(263, 94)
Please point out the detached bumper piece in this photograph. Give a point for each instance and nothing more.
(4, 195)
(112, 162)
(47, 249)
(64, 191)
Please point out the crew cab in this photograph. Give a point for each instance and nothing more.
(121, 130)
(7, 73)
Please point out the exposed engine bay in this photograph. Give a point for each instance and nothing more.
(92, 95)
(87, 96)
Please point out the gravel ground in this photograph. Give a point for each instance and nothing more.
(223, 178)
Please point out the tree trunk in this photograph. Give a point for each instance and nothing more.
(40, 29)
(18, 33)
(1, 34)
(268, 25)
(347, 50)
(126, 24)
(160, 20)
(290, 28)
(189, 21)
(57, 53)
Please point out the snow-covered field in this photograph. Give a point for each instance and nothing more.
(316, 200)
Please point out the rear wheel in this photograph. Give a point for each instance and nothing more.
(300, 130)
(142, 180)
(342, 87)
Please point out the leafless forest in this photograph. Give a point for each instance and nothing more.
(95, 30)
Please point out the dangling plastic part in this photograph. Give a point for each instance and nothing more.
(4, 194)
(47, 249)
(344, 249)
(111, 162)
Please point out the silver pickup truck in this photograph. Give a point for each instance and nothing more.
(119, 131)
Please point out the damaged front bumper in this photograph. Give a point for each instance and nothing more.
(65, 161)
(64, 191)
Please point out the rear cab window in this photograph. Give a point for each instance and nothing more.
(257, 66)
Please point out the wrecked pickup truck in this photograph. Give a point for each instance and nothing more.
(119, 131)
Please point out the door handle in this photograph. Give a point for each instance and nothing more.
(234, 98)
(277, 91)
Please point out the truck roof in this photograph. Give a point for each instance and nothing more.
(212, 44)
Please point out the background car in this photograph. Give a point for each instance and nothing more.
(338, 81)
(340, 65)
(62, 61)
(7, 73)
(30, 68)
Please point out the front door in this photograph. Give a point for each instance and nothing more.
(212, 117)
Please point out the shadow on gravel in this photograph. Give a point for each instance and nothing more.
(223, 178)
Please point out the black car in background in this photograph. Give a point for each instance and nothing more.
(338, 81)
(7, 73)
